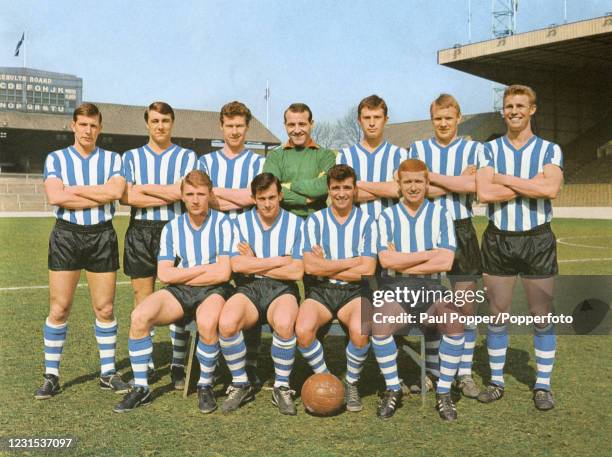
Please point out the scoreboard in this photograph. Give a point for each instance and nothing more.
(35, 91)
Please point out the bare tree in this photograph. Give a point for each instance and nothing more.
(344, 132)
(349, 130)
(324, 134)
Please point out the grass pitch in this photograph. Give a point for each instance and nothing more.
(579, 425)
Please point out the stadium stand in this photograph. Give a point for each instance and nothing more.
(26, 138)
(25, 192)
(21, 192)
(479, 127)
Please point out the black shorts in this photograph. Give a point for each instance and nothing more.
(333, 296)
(90, 247)
(467, 265)
(430, 291)
(529, 253)
(141, 248)
(263, 291)
(190, 297)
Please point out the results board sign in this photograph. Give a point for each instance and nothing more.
(27, 90)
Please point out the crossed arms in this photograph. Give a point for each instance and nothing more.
(225, 199)
(150, 195)
(200, 275)
(493, 188)
(82, 197)
(417, 263)
(441, 184)
(350, 270)
(284, 268)
(368, 191)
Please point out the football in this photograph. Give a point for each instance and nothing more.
(322, 394)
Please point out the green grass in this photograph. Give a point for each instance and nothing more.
(173, 425)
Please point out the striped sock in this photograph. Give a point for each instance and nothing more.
(106, 336)
(54, 339)
(465, 366)
(207, 356)
(497, 345)
(178, 337)
(283, 355)
(252, 340)
(314, 356)
(451, 348)
(385, 351)
(140, 350)
(234, 352)
(355, 358)
(432, 357)
(545, 345)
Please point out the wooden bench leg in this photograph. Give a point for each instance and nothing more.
(423, 373)
(192, 343)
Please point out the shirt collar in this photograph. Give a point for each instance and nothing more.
(310, 145)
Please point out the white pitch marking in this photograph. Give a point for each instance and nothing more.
(601, 259)
(562, 241)
(82, 284)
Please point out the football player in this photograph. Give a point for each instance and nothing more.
(231, 170)
(451, 161)
(518, 176)
(153, 173)
(267, 262)
(339, 248)
(82, 181)
(416, 246)
(194, 262)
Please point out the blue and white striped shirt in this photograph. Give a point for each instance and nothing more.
(430, 228)
(356, 237)
(449, 160)
(521, 213)
(193, 247)
(376, 166)
(144, 166)
(236, 173)
(75, 170)
(283, 238)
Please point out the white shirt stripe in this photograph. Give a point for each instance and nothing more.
(450, 160)
(376, 166)
(75, 170)
(236, 173)
(521, 213)
(182, 243)
(283, 238)
(144, 166)
(430, 228)
(356, 237)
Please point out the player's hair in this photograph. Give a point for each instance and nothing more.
(197, 178)
(341, 172)
(413, 165)
(263, 181)
(87, 109)
(298, 108)
(233, 109)
(445, 101)
(159, 107)
(518, 89)
(372, 102)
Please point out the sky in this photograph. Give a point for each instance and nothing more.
(328, 54)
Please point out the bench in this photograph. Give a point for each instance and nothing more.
(335, 329)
